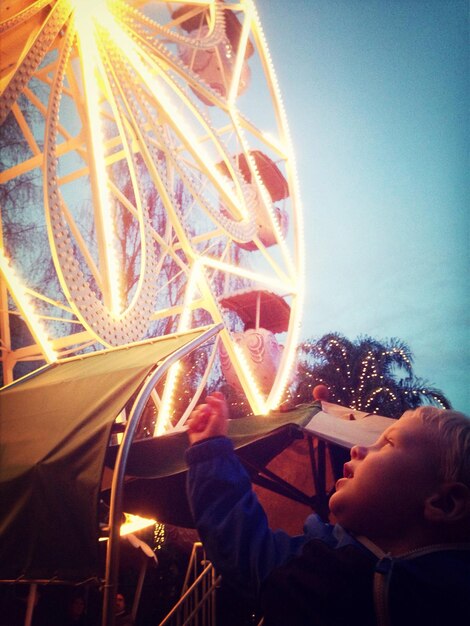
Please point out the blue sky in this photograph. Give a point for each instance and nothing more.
(376, 93)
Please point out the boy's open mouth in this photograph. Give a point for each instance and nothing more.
(347, 471)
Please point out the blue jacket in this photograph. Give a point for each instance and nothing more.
(324, 577)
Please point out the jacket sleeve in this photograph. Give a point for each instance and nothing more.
(231, 522)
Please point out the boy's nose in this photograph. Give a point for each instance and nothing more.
(358, 452)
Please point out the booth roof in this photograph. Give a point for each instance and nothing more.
(55, 428)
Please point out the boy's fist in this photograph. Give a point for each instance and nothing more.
(209, 419)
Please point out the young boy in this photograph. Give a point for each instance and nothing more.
(399, 553)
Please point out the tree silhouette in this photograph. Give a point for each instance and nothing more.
(365, 374)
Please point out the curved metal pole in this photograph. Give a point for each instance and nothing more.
(112, 553)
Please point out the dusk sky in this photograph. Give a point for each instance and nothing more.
(376, 93)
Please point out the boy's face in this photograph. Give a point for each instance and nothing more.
(385, 485)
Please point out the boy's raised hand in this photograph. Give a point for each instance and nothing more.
(209, 419)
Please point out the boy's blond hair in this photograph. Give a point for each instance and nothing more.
(452, 436)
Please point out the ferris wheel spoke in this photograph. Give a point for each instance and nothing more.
(194, 151)
(27, 134)
(186, 138)
(82, 245)
(241, 54)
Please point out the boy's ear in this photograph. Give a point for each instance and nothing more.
(450, 503)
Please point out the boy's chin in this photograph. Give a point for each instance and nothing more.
(340, 508)
(335, 505)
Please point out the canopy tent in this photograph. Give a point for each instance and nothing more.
(55, 429)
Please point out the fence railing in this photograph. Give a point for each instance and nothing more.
(197, 604)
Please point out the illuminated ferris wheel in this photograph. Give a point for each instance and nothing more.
(149, 186)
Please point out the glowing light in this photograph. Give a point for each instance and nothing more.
(240, 56)
(289, 285)
(20, 296)
(159, 535)
(132, 524)
(261, 407)
(282, 380)
(86, 13)
(164, 415)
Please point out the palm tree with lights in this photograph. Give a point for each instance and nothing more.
(365, 374)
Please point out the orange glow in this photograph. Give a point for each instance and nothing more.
(261, 407)
(23, 302)
(133, 524)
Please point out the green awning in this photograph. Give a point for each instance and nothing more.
(54, 432)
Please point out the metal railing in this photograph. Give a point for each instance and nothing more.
(197, 604)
